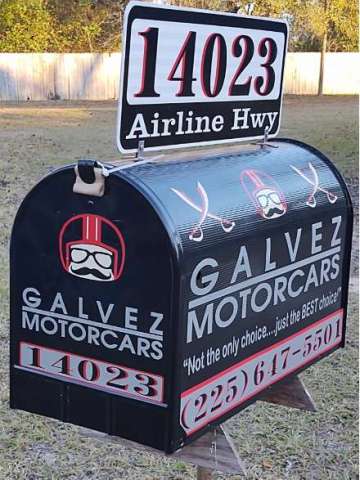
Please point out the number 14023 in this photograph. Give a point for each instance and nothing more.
(93, 373)
(170, 63)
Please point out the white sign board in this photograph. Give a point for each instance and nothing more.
(194, 77)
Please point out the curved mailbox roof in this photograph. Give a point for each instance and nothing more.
(220, 185)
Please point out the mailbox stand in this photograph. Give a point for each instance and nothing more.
(215, 451)
(174, 294)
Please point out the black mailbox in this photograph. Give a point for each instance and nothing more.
(174, 300)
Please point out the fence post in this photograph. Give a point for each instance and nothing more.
(322, 64)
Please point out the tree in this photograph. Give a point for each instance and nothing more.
(313, 20)
(60, 25)
(86, 25)
(221, 5)
(331, 25)
(25, 26)
(95, 25)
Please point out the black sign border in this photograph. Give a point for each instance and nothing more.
(142, 10)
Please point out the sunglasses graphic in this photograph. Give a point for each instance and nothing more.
(264, 200)
(80, 255)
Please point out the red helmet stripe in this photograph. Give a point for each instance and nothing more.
(91, 228)
(255, 178)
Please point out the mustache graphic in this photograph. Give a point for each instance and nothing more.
(87, 271)
(271, 212)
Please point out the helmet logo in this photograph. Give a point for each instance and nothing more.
(92, 247)
(264, 193)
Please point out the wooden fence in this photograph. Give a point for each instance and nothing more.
(92, 76)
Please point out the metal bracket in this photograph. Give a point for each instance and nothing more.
(264, 142)
(138, 160)
(140, 151)
(108, 171)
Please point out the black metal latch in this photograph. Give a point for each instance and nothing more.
(89, 178)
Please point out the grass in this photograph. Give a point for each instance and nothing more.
(275, 443)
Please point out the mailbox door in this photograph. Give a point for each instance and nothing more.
(91, 287)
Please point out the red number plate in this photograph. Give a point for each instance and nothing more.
(211, 399)
(92, 373)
